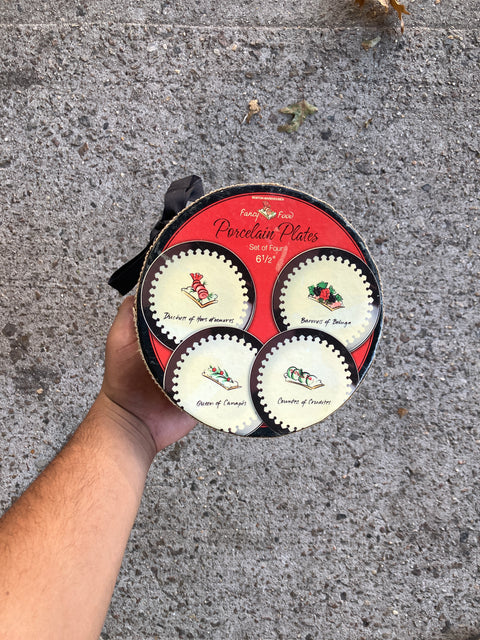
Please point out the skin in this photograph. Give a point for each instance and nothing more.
(62, 542)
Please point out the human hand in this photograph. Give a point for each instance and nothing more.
(128, 384)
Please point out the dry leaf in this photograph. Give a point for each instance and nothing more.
(402, 412)
(299, 111)
(253, 110)
(368, 44)
(399, 8)
(83, 149)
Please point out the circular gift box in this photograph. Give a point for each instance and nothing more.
(259, 310)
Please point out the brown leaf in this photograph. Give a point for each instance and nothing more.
(399, 8)
(83, 149)
(253, 110)
(402, 412)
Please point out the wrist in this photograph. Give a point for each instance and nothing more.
(105, 410)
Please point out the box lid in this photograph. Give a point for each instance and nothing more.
(259, 309)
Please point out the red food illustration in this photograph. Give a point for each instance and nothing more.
(325, 294)
(198, 287)
(198, 292)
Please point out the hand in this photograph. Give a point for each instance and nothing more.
(128, 384)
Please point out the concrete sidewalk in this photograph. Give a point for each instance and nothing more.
(367, 525)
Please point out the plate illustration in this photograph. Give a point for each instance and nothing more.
(208, 376)
(331, 290)
(195, 285)
(300, 377)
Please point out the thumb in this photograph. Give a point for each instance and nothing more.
(125, 310)
(123, 327)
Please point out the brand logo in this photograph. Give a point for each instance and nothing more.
(267, 211)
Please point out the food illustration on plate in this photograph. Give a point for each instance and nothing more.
(326, 296)
(221, 377)
(198, 292)
(303, 378)
(296, 405)
(197, 381)
(328, 289)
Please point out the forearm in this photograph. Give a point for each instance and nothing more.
(62, 543)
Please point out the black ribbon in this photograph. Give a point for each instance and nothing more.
(176, 197)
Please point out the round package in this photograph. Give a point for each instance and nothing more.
(259, 310)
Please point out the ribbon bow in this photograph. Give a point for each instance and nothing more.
(176, 197)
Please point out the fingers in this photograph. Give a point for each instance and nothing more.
(126, 308)
(124, 317)
(122, 328)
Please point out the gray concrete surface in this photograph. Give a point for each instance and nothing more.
(367, 525)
